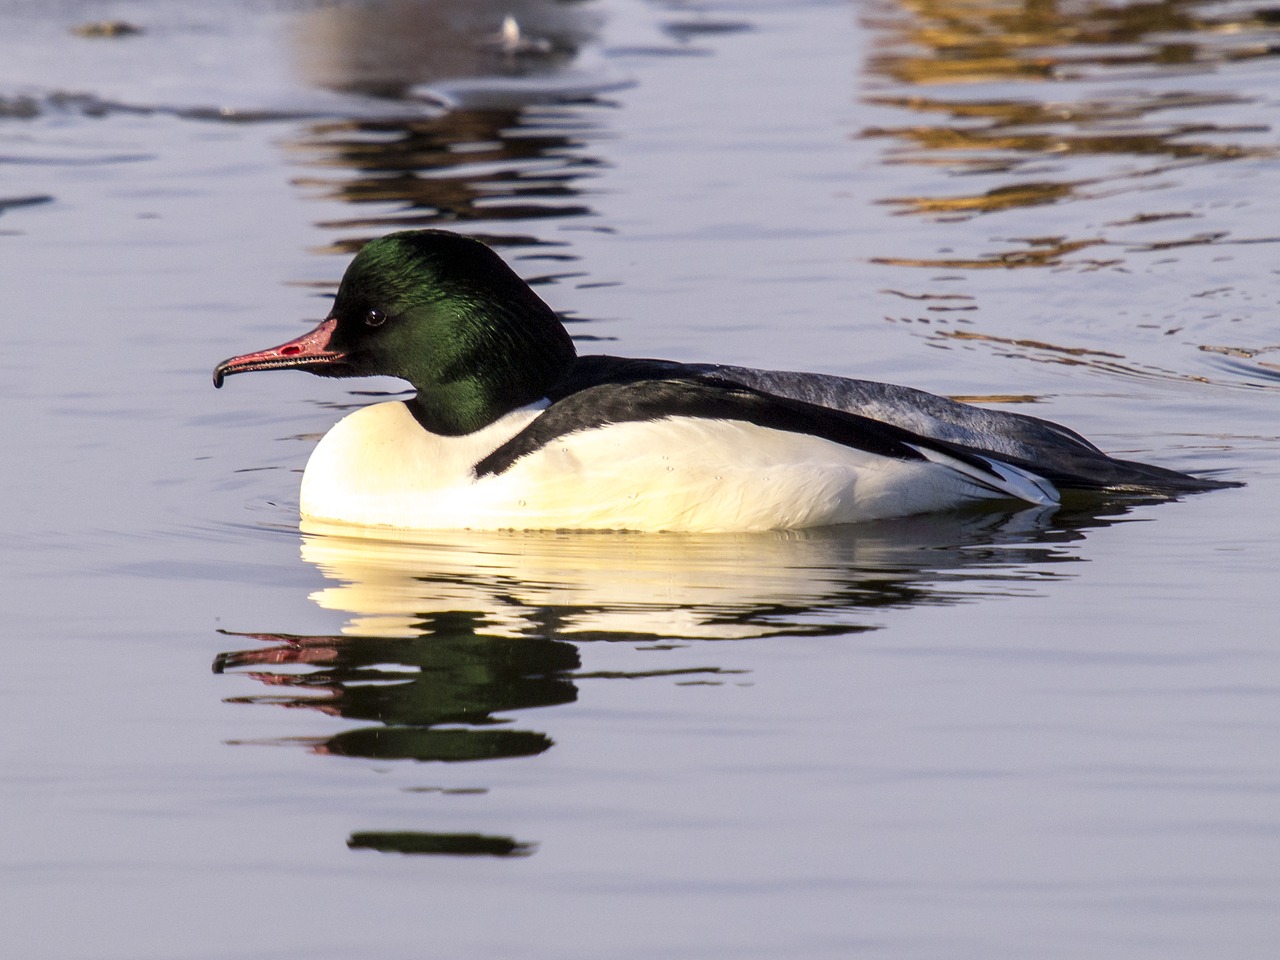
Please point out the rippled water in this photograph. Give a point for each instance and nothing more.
(1041, 734)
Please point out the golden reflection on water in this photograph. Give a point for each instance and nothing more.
(1037, 252)
(1070, 115)
(977, 44)
(980, 40)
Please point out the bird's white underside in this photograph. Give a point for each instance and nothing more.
(377, 467)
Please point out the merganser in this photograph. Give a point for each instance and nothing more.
(510, 429)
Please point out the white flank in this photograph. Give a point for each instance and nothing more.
(378, 467)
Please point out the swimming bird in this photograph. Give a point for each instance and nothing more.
(510, 428)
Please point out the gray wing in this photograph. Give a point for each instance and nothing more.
(933, 416)
(1040, 446)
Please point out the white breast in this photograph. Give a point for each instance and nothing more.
(378, 467)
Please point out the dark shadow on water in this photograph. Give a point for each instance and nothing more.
(443, 673)
(459, 676)
(450, 644)
(451, 844)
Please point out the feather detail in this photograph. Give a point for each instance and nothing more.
(1002, 479)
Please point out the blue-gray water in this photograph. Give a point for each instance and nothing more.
(984, 736)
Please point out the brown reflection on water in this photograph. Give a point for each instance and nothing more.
(1032, 252)
(464, 167)
(1002, 136)
(487, 122)
(1037, 132)
(1042, 352)
(978, 40)
(1097, 130)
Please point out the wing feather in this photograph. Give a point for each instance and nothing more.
(712, 398)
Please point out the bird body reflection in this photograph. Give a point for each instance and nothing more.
(452, 642)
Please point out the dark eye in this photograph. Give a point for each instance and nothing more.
(375, 317)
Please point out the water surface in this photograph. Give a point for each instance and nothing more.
(1041, 733)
